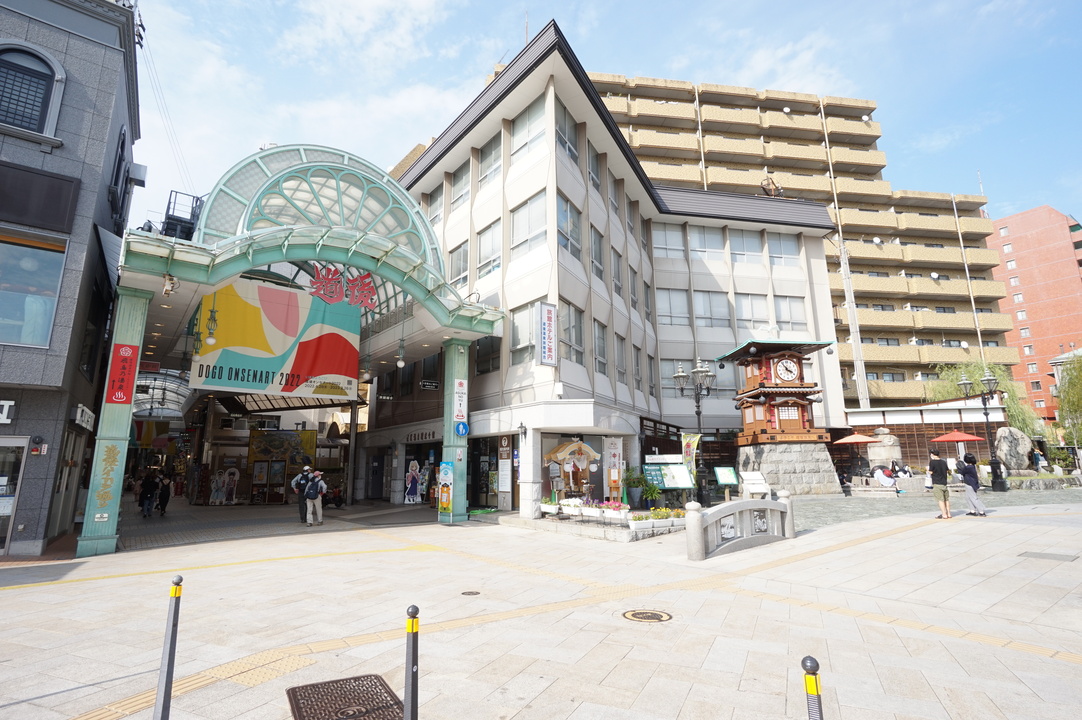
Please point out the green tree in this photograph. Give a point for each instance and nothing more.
(1019, 414)
(1069, 396)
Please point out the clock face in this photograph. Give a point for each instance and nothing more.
(787, 370)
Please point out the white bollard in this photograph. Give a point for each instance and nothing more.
(693, 529)
(789, 530)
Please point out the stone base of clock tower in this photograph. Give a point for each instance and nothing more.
(800, 468)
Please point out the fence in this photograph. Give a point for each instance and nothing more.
(738, 525)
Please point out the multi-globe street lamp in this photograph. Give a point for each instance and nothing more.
(702, 378)
(990, 382)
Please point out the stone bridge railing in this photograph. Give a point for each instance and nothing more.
(738, 525)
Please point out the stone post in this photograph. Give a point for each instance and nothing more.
(789, 529)
(693, 528)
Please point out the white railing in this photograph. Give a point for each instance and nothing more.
(738, 525)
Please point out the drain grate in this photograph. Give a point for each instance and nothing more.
(1049, 556)
(648, 616)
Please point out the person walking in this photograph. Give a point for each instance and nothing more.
(164, 493)
(973, 484)
(313, 496)
(938, 471)
(148, 493)
(299, 484)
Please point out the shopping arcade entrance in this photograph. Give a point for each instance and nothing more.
(284, 209)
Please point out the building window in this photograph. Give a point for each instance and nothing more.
(790, 313)
(982, 310)
(952, 343)
(894, 377)
(1017, 297)
(945, 310)
(435, 205)
(619, 349)
(672, 306)
(651, 375)
(924, 341)
(488, 355)
(528, 226)
(490, 161)
(459, 266)
(711, 308)
(1003, 231)
(1023, 332)
(569, 226)
(460, 185)
(601, 352)
(614, 196)
(928, 376)
(633, 288)
(1027, 349)
(707, 243)
(644, 234)
(523, 320)
(29, 97)
(1031, 367)
(567, 131)
(636, 358)
(594, 166)
(489, 249)
(1008, 247)
(617, 268)
(1034, 384)
(597, 253)
(430, 367)
(405, 380)
(872, 375)
(745, 246)
(867, 341)
(629, 218)
(31, 285)
(571, 340)
(528, 129)
(880, 274)
(1011, 265)
(784, 249)
(1014, 281)
(1039, 402)
(647, 301)
(668, 240)
(751, 310)
(1020, 315)
(668, 369)
(883, 307)
(887, 342)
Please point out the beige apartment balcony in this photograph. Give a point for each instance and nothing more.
(662, 88)
(720, 178)
(881, 354)
(871, 254)
(899, 320)
(806, 185)
(682, 173)
(780, 124)
(733, 149)
(862, 190)
(728, 95)
(988, 290)
(670, 144)
(856, 160)
(894, 287)
(617, 105)
(723, 119)
(975, 228)
(915, 321)
(666, 113)
(911, 390)
(996, 322)
(869, 221)
(853, 132)
(809, 156)
(950, 257)
(934, 225)
(982, 289)
(982, 258)
(1001, 355)
(931, 320)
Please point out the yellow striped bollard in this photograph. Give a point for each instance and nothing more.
(811, 687)
(169, 652)
(413, 626)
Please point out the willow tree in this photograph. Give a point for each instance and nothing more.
(1069, 397)
(1019, 414)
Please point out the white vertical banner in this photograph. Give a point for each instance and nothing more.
(613, 460)
(459, 405)
(546, 338)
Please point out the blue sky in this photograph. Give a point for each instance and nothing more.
(962, 86)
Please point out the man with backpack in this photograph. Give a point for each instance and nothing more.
(313, 497)
(299, 484)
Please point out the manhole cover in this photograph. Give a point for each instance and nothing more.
(649, 616)
(471, 592)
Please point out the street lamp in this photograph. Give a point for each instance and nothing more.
(990, 382)
(702, 378)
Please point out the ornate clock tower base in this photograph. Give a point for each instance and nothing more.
(800, 468)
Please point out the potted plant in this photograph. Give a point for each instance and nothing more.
(615, 510)
(640, 521)
(678, 517)
(550, 508)
(572, 506)
(651, 494)
(661, 517)
(634, 481)
(591, 508)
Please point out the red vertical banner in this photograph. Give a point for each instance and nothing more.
(123, 369)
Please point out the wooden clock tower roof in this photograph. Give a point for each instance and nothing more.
(759, 348)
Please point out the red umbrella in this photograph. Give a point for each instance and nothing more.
(956, 436)
(856, 439)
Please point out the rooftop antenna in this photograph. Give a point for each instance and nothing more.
(980, 182)
(527, 27)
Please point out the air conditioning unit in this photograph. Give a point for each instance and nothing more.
(912, 341)
(907, 306)
(918, 376)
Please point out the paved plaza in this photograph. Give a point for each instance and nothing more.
(908, 616)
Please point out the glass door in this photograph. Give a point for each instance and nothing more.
(12, 451)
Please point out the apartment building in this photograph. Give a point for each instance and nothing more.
(1041, 251)
(912, 284)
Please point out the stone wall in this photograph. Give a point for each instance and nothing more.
(800, 468)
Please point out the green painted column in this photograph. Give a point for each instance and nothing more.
(99, 534)
(456, 366)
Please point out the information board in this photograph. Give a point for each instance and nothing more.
(726, 476)
(669, 477)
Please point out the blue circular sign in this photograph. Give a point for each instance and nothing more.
(462, 429)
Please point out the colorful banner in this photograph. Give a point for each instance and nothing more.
(281, 341)
(547, 334)
(293, 449)
(122, 371)
(446, 488)
(690, 443)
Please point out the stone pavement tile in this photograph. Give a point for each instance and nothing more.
(505, 668)
(629, 674)
(725, 657)
(609, 694)
(903, 682)
(1018, 706)
(519, 691)
(770, 704)
(966, 704)
(597, 711)
(880, 636)
(1060, 690)
(764, 673)
(695, 709)
(662, 698)
(852, 702)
